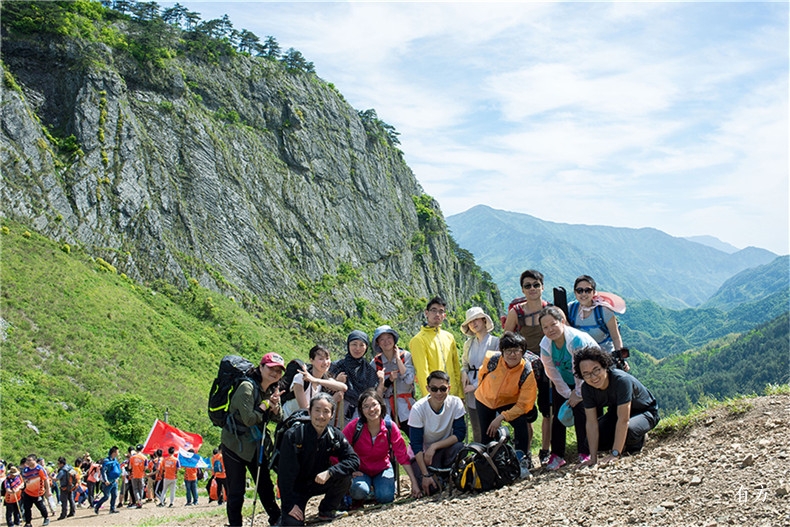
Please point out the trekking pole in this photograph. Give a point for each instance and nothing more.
(395, 466)
(340, 417)
(257, 476)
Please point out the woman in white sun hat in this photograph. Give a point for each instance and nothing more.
(478, 327)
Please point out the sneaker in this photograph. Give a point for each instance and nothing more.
(131, 506)
(555, 462)
(160, 505)
(170, 505)
(46, 522)
(330, 516)
(139, 505)
(96, 510)
(114, 511)
(544, 456)
(584, 457)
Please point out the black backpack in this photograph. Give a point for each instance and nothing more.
(294, 366)
(232, 370)
(493, 362)
(480, 467)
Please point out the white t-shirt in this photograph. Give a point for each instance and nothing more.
(292, 405)
(436, 426)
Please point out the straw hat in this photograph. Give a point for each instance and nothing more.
(474, 313)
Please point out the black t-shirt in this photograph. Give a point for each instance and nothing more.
(623, 388)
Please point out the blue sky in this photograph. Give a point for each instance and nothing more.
(666, 115)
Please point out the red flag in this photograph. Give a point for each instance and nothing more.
(163, 436)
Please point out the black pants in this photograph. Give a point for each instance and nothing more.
(236, 482)
(638, 426)
(333, 490)
(92, 492)
(558, 429)
(28, 502)
(66, 501)
(12, 513)
(222, 489)
(486, 415)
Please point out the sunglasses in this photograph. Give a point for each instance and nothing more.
(435, 389)
(581, 290)
(533, 285)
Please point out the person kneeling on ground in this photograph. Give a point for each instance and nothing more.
(374, 437)
(305, 472)
(507, 392)
(437, 429)
(631, 410)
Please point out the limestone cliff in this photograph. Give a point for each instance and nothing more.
(251, 179)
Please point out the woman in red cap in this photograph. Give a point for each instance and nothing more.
(254, 403)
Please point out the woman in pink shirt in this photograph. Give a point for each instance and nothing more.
(373, 438)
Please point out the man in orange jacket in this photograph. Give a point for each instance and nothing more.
(507, 391)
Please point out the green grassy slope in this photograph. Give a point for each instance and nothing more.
(91, 358)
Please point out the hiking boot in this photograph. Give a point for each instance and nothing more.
(584, 457)
(331, 516)
(544, 456)
(555, 462)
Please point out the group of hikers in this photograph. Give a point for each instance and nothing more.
(342, 423)
(132, 480)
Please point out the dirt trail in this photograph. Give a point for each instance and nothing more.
(731, 469)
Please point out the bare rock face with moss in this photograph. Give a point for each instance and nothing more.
(253, 180)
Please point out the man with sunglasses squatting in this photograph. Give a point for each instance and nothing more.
(437, 429)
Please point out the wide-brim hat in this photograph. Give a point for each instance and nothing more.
(610, 300)
(474, 313)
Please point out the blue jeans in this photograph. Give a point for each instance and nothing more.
(109, 492)
(191, 487)
(381, 487)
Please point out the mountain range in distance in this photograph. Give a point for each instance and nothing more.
(637, 264)
(712, 241)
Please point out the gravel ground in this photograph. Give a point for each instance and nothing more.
(733, 468)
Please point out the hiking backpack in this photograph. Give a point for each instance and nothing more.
(516, 305)
(480, 467)
(493, 362)
(73, 479)
(232, 370)
(573, 312)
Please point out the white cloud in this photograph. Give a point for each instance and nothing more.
(670, 115)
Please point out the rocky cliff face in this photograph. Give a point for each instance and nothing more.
(248, 178)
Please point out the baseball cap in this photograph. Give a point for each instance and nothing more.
(273, 360)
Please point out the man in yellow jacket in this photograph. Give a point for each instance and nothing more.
(506, 391)
(434, 349)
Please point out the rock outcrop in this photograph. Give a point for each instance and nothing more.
(252, 180)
